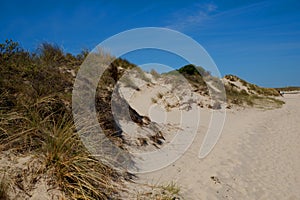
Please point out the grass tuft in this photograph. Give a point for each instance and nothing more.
(169, 191)
(172, 188)
(38, 129)
(78, 174)
(3, 188)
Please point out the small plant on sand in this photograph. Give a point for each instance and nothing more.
(153, 100)
(169, 191)
(159, 95)
(172, 188)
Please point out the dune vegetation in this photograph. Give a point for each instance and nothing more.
(36, 122)
(36, 119)
(37, 130)
(238, 91)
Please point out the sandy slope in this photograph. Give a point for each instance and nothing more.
(257, 157)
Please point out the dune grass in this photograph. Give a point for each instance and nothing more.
(64, 158)
(168, 191)
(78, 174)
(36, 119)
(254, 88)
(242, 98)
(3, 188)
(172, 188)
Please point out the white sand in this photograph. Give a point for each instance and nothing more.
(256, 157)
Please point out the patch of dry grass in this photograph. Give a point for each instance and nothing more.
(3, 188)
(77, 174)
(169, 191)
(35, 119)
(242, 98)
(254, 88)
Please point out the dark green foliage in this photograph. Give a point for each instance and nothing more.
(9, 48)
(188, 69)
(195, 76)
(193, 70)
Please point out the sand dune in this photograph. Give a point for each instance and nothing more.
(257, 157)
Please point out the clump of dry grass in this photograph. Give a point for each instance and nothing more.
(23, 128)
(3, 188)
(171, 188)
(78, 174)
(65, 159)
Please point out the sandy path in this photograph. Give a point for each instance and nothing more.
(271, 157)
(257, 157)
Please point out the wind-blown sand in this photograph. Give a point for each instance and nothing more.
(256, 157)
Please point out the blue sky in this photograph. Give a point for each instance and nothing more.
(256, 40)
